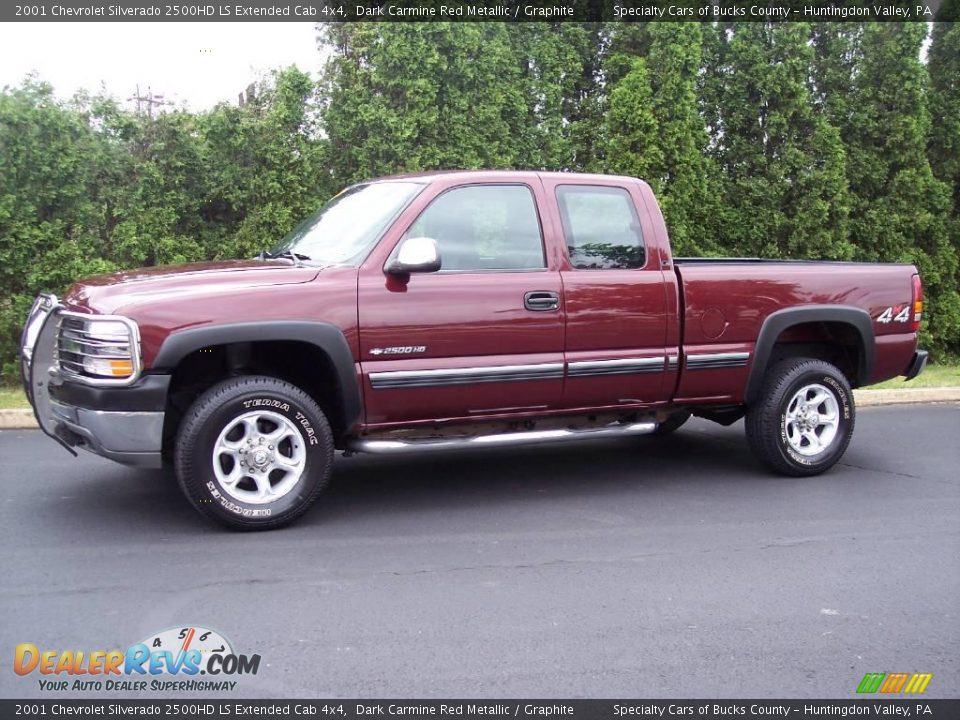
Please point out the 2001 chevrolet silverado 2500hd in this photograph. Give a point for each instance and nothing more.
(464, 309)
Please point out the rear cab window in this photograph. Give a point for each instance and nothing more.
(600, 227)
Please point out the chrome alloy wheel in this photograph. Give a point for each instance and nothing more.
(259, 457)
(811, 420)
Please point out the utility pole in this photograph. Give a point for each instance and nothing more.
(148, 100)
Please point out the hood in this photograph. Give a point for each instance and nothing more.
(109, 294)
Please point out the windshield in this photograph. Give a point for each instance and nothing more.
(342, 231)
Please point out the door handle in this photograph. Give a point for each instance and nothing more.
(541, 300)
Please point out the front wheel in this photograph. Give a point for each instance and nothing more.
(803, 420)
(253, 453)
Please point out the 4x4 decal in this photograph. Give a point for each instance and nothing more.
(895, 313)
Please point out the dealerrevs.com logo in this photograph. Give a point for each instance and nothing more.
(168, 661)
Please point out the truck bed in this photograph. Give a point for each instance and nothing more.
(725, 302)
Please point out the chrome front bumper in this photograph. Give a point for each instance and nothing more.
(133, 438)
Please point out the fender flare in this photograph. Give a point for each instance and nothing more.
(776, 322)
(324, 336)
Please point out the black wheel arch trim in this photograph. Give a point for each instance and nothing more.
(324, 336)
(777, 322)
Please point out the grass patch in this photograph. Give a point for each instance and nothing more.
(11, 396)
(932, 376)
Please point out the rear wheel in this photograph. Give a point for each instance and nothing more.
(253, 453)
(803, 420)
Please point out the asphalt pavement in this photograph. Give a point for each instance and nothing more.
(642, 568)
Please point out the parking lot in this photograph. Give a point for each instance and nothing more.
(633, 568)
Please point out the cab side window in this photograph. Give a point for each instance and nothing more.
(601, 227)
(484, 227)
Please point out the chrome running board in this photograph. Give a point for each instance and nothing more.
(532, 437)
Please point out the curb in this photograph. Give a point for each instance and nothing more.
(17, 419)
(868, 398)
(22, 419)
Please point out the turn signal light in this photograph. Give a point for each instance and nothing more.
(121, 368)
(107, 367)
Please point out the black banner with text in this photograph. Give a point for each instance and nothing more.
(473, 11)
(916, 707)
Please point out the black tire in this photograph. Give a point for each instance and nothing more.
(265, 402)
(672, 423)
(769, 430)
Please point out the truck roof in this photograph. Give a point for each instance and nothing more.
(499, 175)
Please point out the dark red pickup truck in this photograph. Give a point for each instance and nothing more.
(464, 309)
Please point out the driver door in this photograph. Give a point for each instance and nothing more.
(483, 336)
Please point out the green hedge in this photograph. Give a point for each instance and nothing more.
(778, 140)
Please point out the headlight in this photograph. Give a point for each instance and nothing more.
(100, 349)
(108, 330)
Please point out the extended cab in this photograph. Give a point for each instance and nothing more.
(465, 309)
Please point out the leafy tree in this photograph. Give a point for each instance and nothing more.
(688, 179)
(87, 187)
(630, 130)
(827, 140)
(836, 55)
(900, 208)
(268, 163)
(784, 164)
(944, 154)
(712, 80)
(653, 127)
(944, 67)
(622, 42)
(560, 83)
(49, 221)
(408, 97)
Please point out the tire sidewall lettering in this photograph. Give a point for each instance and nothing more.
(841, 394)
(238, 407)
(271, 403)
(307, 426)
(228, 504)
(220, 406)
(843, 400)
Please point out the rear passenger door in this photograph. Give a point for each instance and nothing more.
(481, 337)
(614, 297)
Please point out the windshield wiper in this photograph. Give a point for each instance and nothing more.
(289, 254)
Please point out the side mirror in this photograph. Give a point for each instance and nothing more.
(416, 255)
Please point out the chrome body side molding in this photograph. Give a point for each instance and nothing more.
(391, 379)
(714, 361)
(464, 376)
(627, 366)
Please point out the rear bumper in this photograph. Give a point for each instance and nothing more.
(124, 424)
(917, 364)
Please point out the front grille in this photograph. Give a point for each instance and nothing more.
(106, 354)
